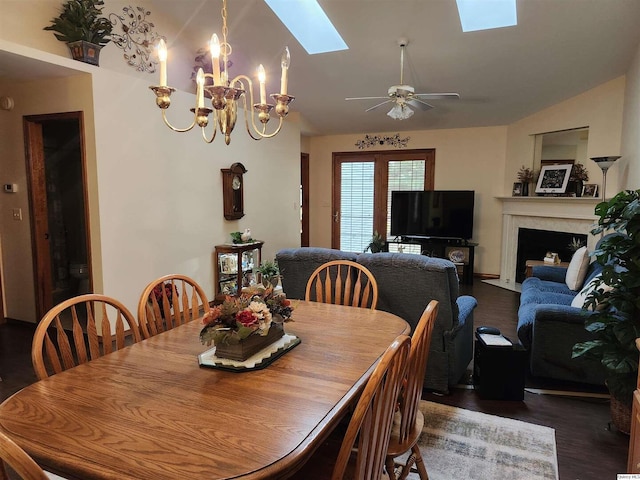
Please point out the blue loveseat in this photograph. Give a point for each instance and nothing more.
(406, 284)
(548, 326)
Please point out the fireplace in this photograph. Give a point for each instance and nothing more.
(573, 216)
(533, 244)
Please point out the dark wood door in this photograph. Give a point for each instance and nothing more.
(56, 174)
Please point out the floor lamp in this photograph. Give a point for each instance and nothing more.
(604, 163)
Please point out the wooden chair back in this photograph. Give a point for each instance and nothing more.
(407, 431)
(170, 301)
(343, 282)
(21, 463)
(80, 329)
(370, 425)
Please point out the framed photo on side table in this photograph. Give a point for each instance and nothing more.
(590, 190)
(553, 178)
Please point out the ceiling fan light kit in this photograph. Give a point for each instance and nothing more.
(403, 96)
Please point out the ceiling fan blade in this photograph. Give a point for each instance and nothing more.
(366, 98)
(437, 96)
(421, 104)
(378, 105)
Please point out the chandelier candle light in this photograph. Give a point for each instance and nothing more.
(226, 93)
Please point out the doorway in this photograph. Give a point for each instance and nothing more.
(56, 175)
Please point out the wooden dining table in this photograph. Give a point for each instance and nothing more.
(150, 411)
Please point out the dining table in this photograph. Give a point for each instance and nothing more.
(151, 411)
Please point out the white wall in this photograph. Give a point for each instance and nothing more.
(155, 195)
(466, 159)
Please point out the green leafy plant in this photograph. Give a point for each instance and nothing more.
(578, 173)
(525, 175)
(81, 20)
(269, 272)
(616, 299)
(376, 244)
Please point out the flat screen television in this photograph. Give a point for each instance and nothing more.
(436, 213)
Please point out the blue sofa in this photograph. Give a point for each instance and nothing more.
(406, 284)
(548, 326)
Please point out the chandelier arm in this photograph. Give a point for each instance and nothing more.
(261, 133)
(215, 129)
(179, 130)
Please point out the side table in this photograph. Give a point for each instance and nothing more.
(536, 263)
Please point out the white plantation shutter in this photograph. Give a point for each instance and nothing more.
(356, 194)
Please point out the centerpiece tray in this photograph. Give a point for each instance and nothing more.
(257, 361)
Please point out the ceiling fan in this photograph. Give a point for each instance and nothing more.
(404, 95)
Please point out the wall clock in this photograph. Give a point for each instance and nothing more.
(232, 191)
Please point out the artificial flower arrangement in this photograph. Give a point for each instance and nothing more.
(251, 313)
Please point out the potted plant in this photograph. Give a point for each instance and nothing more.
(81, 26)
(377, 244)
(577, 178)
(615, 302)
(525, 177)
(269, 273)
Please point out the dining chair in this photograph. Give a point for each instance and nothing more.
(343, 282)
(80, 329)
(170, 301)
(409, 420)
(19, 460)
(363, 448)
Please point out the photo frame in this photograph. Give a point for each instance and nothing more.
(553, 178)
(590, 190)
(517, 190)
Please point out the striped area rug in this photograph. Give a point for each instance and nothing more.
(461, 444)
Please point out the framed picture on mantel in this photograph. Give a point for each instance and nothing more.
(553, 179)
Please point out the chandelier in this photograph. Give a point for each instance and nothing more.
(225, 93)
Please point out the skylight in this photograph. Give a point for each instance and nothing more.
(486, 14)
(306, 20)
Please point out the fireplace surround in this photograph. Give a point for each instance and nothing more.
(557, 214)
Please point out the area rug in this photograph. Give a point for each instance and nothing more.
(461, 444)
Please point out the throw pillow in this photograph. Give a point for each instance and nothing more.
(577, 270)
(581, 297)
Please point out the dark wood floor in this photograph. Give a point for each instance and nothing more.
(587, 448)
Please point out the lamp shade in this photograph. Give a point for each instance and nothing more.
(605, 162)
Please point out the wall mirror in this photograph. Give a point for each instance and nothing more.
(564, 146)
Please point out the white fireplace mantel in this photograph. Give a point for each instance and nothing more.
(558, 214)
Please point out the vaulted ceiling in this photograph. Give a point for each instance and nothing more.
(560, 48)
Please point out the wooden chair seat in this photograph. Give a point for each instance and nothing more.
(343, 282)
(170, 301)
(81, 329)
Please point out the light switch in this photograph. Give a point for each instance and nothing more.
(17, 214)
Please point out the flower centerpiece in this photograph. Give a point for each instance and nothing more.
(241, 326)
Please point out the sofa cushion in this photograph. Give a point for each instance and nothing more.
(581, 297)
(546, 286)
(577, 270)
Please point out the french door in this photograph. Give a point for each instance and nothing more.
(362, 186)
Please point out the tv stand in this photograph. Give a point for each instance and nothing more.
(446, 247)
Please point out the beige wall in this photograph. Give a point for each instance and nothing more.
(487, 160)
(466, 159)
(31, 98)
(600, 109)
(628, 167)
